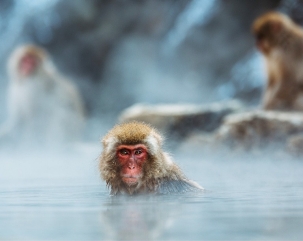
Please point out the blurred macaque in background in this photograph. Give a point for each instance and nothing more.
(43, 106)
(280, 40)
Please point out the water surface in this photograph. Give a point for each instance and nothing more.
(61, 197)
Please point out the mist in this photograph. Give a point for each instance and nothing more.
(154, 52)
(122, 53)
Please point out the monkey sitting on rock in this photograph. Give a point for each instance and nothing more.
(133, 162)
(280, 40)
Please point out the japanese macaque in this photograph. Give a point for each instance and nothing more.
(280, 40)
(133, 162)
(42, 105)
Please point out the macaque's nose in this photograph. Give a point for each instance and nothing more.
(131, 163)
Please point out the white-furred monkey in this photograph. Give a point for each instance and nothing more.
(43, 106)
(133, 162)
(280, 41)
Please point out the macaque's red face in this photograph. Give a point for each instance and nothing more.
(28, 65)
(131, 159)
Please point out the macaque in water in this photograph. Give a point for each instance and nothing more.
(42, 105)
(280, 40)
(133, 162)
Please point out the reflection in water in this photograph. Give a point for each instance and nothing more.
(61, 197)
(138, 218)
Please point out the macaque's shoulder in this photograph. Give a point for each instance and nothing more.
(178, 186)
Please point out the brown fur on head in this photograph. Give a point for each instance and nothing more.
(19, 52)
(271, 30)
(157, 166)
(130, 134)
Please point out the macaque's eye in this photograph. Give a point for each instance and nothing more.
(138, 151)
(123, 152)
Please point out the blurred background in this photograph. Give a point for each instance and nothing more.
(122, 52)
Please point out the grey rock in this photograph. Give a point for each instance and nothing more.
(179, 120)
(259, 129)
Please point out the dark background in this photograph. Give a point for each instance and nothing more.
(122, 52)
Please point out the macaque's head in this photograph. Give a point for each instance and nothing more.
(132, 155)
(25, 61)
(270, 31)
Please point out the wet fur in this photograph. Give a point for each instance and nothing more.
(160, 174)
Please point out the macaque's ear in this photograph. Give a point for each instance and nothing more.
(109, 143)
(154, 141)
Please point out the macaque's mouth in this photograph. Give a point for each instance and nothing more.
(130, 180)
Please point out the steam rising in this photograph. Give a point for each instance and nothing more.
(248, 74)
(14, 22)
(49, 194)
(196, 13)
